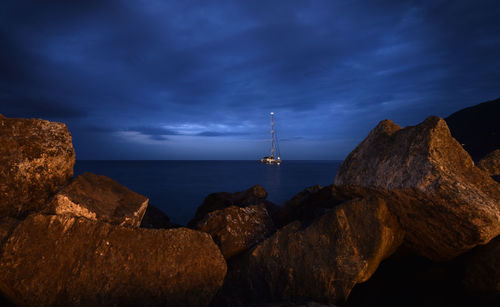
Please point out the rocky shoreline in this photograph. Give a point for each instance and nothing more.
(410, 220)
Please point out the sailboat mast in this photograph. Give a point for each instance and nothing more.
(272, 134)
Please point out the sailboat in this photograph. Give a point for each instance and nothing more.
(274, 158)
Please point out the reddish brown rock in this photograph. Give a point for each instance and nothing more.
(155, 218)
(7, 224)
(236, 229)
(99, 198)
(491, 163)
(445, 203)
(36, 160)
(482, 270)
(216, 201)
(324, 260)
(68, 261)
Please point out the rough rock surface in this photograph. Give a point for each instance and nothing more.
(156, 219)
(482, 270)
(324, 260)
(236, 229)
(99, 198)
(216, 201)
(446, 204)
(36, 160)
(491, 163)
(7, 224)
(62, 260)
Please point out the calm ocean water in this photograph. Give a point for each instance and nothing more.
(179, 187)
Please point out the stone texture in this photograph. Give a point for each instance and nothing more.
(236, 229)
(482, 270)
(445, 203)
(62, 260)
(216, 201)
(491, 163)
(324, 260)
(36, 160)
(100, 198)
(7, 224)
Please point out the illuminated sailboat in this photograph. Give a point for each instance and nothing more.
(274, 158)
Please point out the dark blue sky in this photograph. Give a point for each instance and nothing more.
(197, 79)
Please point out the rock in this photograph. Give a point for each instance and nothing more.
(100, 198)
(315, 201)
(477, 128)
(322, 261)
(491, 163)
(446, 204)
(236, 229)
(222, 200)
(7, 224)
(36, 160)
(482, 270)
(155, 218)
(63, 260)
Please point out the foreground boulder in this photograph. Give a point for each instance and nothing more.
(324, 260)
(217, 201)
(446, 204)
(491, 163)
(99, 198)
(482, 270)
(236, 229)
(61, 260)
(36, 160)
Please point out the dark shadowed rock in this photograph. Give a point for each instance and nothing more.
(222, 200)
(7, 224)
(445, 203)
(482, 270)
(235, 229)
(477, 128)
(156, 219)
(36, 160)
(322, 261)
(491, 163)
(66, 261)
(99, 198)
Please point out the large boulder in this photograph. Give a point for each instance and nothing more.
(445, 203)
(491, 163)
(235, 229)
(36, 160)
(63, 260)
(324, 260)
(482, 270)
(100, 198)
(216, 201)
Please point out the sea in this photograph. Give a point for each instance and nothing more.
(179, 187)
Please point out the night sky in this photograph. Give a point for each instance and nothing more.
(197, 79)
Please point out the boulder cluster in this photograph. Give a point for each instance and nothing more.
(408, 207)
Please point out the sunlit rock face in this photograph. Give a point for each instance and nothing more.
(482, 270)
(67, 261)
(36, 160)
(236, 229)
(491, 163)
(99, 198)
(324, 260)
(445, 203)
